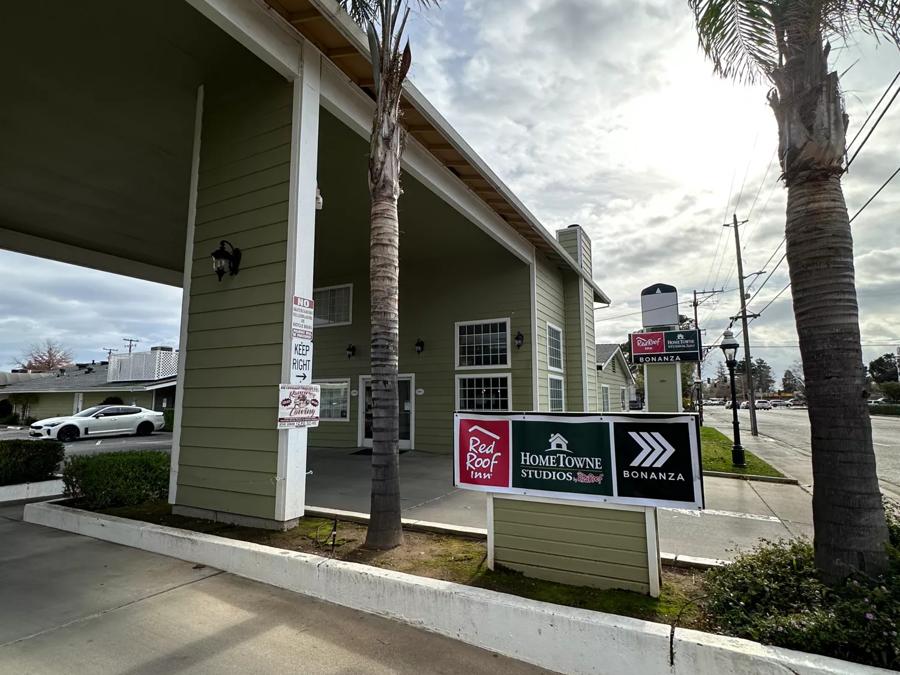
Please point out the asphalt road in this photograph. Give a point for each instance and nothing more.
(160, 440)
(790, 428)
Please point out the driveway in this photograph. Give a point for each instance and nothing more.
(160, 440)
(73, 604)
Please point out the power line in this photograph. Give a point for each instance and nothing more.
(874, 126)
(883, 185)
(872, 111)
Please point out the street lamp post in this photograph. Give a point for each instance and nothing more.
(729, 348)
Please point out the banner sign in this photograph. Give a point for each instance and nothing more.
(671, 346)
(638, 459)
(298, 406)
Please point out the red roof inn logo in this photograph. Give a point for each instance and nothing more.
(484, 456)
(647, 343)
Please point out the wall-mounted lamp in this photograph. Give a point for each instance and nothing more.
(420, 346)
(351, 351)
(226, 260)
(520, 340)
(319, 201)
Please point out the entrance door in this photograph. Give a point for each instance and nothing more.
(405, 385)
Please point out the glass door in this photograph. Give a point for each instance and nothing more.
(404, 392)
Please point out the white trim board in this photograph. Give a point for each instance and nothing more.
(186, 298)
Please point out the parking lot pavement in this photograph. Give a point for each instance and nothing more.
(159, 440)
(72, 604)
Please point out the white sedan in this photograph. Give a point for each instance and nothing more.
(100, 420)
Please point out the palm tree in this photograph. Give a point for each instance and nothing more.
(787, 43)
(390, 64)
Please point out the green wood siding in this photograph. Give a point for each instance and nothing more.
(450, 271)
(574, 343)
(229, 444)
(51, 405)
(549, 307)
(590, 351)
(578, 545)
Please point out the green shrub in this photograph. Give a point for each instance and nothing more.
(773, 595)
(169, 417)
(117, 478)
(12, 419)
(26, 461)
(884, 409)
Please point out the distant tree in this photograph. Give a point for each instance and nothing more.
(797, 370)
(762, 376)
(884, 368)
(45, 356)
(790, 382)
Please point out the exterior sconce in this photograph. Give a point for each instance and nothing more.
(520, 340)
(226, 260)
(420, 346)
(320, 203)
(351, 351)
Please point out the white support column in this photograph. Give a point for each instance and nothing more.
(290, 481)
(186, 295)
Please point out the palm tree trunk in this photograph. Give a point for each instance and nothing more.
(384, 530)
(850, 529)
(848, 516)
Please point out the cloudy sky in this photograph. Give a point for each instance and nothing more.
(598, 112)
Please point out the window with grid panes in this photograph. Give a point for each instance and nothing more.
(554, 347)
(482, 344)
(334, 401)
(604, 398)
(332, 306)
(623, 398)
(557, 403)
(489, 392)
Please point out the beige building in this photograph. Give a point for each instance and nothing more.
(615, 383)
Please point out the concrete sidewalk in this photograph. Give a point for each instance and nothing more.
(73, 604)
(739, 513)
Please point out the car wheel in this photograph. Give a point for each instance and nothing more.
(145, 429)
(67, 434)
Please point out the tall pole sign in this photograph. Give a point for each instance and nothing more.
(661, 348)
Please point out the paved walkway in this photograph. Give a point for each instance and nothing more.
(739, 513)
(71, 604)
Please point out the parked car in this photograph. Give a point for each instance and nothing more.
(728, 405)
(763, 404)
(778, 403)
(796, 403)
(100, 420)
(745, 405)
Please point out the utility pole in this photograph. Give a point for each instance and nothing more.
(748, 374)
(131, 342)
(700, 362)
(109, 352)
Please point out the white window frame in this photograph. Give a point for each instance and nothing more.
(604, 387)
(463, 376)
(562, 382)
(562, 348)
(623, 398)
(475, 323)
(336, 380)
(350, 306)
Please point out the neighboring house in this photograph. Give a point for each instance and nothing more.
(145, 379)
(615, 383)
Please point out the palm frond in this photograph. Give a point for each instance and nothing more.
(880, 18)
(740, 37)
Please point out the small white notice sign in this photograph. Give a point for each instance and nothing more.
(298, 406)
(302, 316)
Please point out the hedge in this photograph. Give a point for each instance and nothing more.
(169, 417)
(885, 409)
(117, 478)
(27, 461)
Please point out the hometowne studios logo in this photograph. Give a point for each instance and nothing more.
(649, 463)
(559, 463)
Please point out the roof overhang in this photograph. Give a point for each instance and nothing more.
(333, 32)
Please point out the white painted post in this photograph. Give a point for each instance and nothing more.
(290, 485)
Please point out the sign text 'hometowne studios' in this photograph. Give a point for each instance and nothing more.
(648, 460)
(671, 346)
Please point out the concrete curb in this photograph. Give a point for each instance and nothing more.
(750, 476)
(668, 559)
(24, 491)
(562, 639)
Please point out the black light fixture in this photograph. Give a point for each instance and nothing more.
(226, 260)
(520, 340)
(729, 349)
(351, 351)
(420, 346)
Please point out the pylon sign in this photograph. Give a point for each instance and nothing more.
(670, 346)
(637, 459)
(659, 306)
